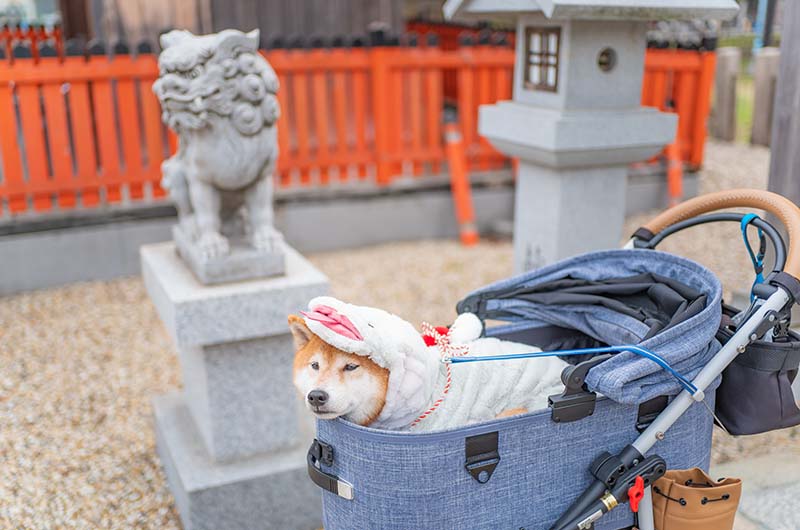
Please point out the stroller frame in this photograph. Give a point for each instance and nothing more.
(782, 291)
(769, 310)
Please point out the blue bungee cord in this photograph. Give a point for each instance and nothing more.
(637, 350)
(757, 259)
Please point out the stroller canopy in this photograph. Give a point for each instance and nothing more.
(662, 302)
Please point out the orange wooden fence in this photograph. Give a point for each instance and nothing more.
(681, 81)
(82, 132)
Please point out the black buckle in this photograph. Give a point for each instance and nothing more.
(649, 411)
(576, 402)
(482, 456)
(322, 452)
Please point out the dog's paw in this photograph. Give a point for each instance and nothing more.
(512, 412)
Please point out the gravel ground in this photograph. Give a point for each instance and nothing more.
(79, 364)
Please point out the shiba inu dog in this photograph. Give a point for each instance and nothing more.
(375, 369)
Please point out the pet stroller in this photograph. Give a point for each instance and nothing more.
(647, 338)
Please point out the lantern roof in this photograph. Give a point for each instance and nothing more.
(595, 9)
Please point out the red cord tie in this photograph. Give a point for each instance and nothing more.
(440, 337)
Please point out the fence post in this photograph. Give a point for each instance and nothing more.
(381, 108)
(723, 116)
(705, 83)
(765, 75)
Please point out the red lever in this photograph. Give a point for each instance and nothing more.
(636, 493)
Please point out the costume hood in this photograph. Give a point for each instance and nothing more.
(391, 343)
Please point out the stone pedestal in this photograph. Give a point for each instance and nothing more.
(233, 442)
(244, 262)
(572, 176)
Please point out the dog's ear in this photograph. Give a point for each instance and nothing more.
(300, 332)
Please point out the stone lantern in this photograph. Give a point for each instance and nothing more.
(576, 120)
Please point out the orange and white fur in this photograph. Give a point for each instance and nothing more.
(374, 369)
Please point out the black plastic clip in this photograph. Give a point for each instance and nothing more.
(482, 456)
(649, 411)
(322, 453)
(576, 402)
(607, 468)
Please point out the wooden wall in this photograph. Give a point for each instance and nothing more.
(133, 20)
(306, 17)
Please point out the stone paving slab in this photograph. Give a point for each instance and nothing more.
(771, 491)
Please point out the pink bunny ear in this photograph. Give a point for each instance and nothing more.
(334, 321)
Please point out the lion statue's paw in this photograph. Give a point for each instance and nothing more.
(267, 238)
(212, 245)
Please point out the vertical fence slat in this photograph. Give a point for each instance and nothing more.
(434, 96)
(300, 108)
(685, 84)
(130, 133)
(647, 88)
(360, 118)
(466, 107)
(286, 154)
(319, 81)
(340, 108)
(153, 133)
(484, 96)
(659, 93)
(33, 136)
(13, 184)
(397, 111)
(703, 107)
(416, 104)
(380, 113)
(58, 137)
(83, 141)
(107, 143)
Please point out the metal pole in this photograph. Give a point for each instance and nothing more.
(758, 27)
(769, 22)
(646, 521)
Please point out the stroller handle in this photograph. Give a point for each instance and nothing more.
(779, 206)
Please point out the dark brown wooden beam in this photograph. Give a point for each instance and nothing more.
(75, 18)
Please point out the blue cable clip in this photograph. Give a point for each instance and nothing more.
(757, 259)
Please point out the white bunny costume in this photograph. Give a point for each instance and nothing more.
(418, 378)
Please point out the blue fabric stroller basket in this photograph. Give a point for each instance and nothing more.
(530, 468)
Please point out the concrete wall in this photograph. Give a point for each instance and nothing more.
(46, 253)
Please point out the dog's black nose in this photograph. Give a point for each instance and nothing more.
(317, 397)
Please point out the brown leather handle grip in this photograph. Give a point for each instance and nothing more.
(779, 206)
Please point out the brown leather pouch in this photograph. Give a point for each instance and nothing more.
(689, 499)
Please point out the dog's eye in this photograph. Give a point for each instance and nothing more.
(350, 367)
(315, 365)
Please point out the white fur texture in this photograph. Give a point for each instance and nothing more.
(479, 391)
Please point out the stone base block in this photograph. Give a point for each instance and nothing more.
(239, 394)
(269, 492)
(202, 315)
(242, 263)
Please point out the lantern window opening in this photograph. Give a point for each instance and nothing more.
(541, 53)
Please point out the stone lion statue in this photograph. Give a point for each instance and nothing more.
(219, 95)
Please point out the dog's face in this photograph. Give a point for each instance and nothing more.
(336, 383)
